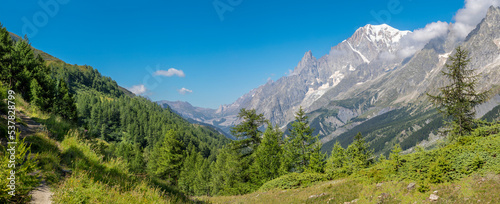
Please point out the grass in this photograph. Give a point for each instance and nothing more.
(98, 180)
(473, 189)
(77, 171)
(466, 170)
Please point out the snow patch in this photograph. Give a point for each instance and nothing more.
(385, 33)
(313, 95)
(351, 68)
(356, 51)
(445, 55)
(443, 58)
(497, 42)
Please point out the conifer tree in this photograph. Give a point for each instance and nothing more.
(358, 153)
(299, 145)
(395, 157)
(457, 100)
(5, 55)
(317, 159)
(335, 163)
(170, 157)
(268, 155)
(248, 131)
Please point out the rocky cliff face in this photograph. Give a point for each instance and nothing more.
(363, 56)
(364, 77)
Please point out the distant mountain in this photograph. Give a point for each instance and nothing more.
(310, 79)
(364, 85)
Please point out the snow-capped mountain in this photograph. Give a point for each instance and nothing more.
(363, 80)
(366, 50)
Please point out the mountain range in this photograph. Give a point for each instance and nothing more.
(368, 83)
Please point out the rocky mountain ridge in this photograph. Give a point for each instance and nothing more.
(364, 77)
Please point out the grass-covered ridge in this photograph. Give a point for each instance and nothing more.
(464, 171)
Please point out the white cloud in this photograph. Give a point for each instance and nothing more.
(416, 40)
(184, 91)
(170, 72)
(138, 89)
(467, 18)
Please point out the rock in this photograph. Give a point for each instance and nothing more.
(411, 186)
(435, 192)
(355, 200)
(433, 197)
(379, 185)
(316, 196)
(382, 197)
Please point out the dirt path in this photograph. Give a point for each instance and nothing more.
(42, 193)
(32, 126)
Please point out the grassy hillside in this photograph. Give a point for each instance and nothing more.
(80, 169)
(464, 171)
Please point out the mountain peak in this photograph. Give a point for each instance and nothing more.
(383, 32)
(493, 10)
(307, 56)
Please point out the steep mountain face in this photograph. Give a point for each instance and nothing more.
(404, 90)
(364, 81)
(362, 57)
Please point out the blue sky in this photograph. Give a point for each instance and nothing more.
(217, 55)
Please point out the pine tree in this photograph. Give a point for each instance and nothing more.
(268, 155)
(335, 163)
(395, 157)
(170, 157)
(64, 103)
(358, 153)
(299, 145)
(457, 100)
(317, 159)
(36, 94)
(5, 55)
(248, 131)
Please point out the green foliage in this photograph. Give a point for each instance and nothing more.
(96, 180)
(382, 129)
(343, 162)
(294, 180)
(227, 174)
(268, 155)
(335, 163)
(300, 145)
(358, 153)
(170, 157)
(457, 100)
(395, 157)
(317, 160)
(248, 131)
(472, 154)
(17, 159)
(27, 74)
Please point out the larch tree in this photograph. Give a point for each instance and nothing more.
(457, 100)
(299, 145)
(268, 155)
(248, 131)
(170, 157)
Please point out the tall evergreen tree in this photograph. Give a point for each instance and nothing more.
(5, 55)
(336, 161)
(170, 158)
(299, 145)
(358, 153)
(248, 131)
(458, 99)
(268, 155)
(317, 159)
